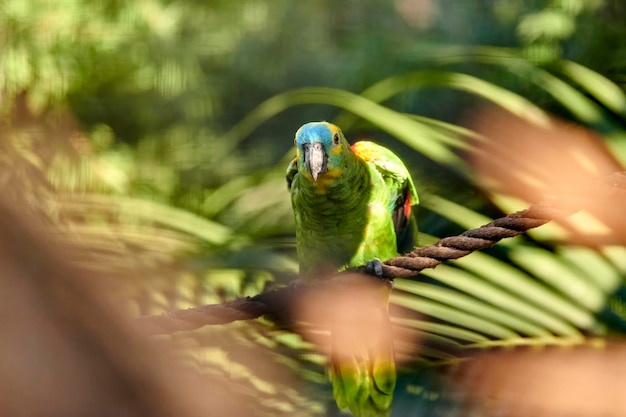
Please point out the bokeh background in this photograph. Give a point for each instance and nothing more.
(152, 136)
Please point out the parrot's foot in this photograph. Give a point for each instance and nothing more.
(375, 267)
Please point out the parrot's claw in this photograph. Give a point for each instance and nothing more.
(375, 266)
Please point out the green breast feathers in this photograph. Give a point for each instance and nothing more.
(351, 203)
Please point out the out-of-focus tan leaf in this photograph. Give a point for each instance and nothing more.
(538, 163)
(577, 381)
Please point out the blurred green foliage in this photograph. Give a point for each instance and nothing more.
(157, 132)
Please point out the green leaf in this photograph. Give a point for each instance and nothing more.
(530, 299)
(146, 210)
(507, 99)
(600, 87)
(454, 212)
(472, 285)
(419, 136)
(452, 315)
(446, 330)
(562, 278)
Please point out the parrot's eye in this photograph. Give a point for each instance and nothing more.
(336, 139)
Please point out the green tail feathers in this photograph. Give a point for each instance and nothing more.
(363, 368)
(364, 380)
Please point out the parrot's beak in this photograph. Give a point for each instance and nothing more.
(315, 158)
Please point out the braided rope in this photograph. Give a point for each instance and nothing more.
(454, 247)
(277, 302)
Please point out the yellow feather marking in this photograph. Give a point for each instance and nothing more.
(334, 129)
(364, 151)
(325, 179)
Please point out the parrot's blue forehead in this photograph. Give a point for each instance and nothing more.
(315, 132)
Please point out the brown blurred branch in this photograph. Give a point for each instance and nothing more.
(277, 302)
(274, 302)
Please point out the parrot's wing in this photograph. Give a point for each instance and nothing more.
(292, 170)
(389, 165)
(401, 189)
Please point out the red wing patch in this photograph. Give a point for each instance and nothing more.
(407, 204)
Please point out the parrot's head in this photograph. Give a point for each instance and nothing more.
(321, 150)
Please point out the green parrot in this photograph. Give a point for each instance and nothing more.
(352, 206)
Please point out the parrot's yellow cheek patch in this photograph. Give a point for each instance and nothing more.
(326, 179)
